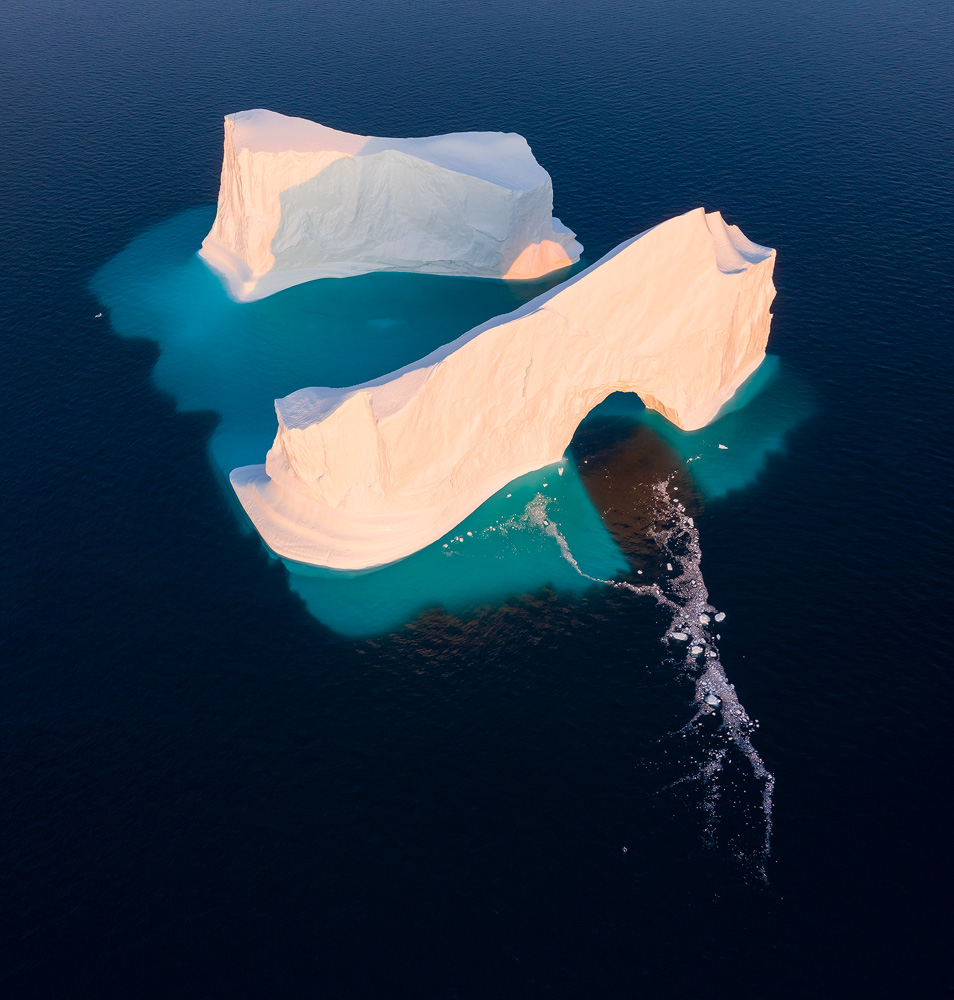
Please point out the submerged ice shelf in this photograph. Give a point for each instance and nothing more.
(299, 200)
(363, 476)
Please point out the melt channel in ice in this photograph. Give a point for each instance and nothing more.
(299, 200)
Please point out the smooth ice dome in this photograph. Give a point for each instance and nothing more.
(363, 476)
(299, 200)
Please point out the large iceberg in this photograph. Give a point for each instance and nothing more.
(299, 200)
(363, 476)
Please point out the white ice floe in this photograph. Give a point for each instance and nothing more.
(362, 476)
(299, 200)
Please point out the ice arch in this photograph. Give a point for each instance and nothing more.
(362, 476)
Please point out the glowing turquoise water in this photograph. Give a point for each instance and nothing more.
(236, 359)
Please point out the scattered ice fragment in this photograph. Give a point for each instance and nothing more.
(98, 316)
(640, 572)
(681, 636)
(724, 447)
(703, 619)
(470, 534)
(669, 567)
(711, 699)
(696, 650)
(560, 473)
(720, 617)
(625, 849)
(711, 653)
(445, 545)
(546, 484)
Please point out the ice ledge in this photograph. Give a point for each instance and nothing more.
(299, 201)
(366, 475)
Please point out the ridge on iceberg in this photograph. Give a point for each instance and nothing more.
(299, 201)
(363, 476)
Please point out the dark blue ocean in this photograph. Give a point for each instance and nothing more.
(478, 773)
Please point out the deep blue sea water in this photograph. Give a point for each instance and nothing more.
(226, 777)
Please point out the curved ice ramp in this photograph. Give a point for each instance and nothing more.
(299, 201)
(362, 476)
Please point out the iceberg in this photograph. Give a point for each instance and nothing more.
(299, 201)
(363, 476)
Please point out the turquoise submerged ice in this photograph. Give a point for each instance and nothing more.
(237, 358)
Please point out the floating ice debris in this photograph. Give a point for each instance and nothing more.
(509, 494)
(681, 636)
(560, 473)
(625, 849)
(445, 545)
(640, 572)
(470, 534)
(687, 599)
(668, 567)
(546, 484)
(724, 447)
(703, 619)
(98, 316)
(720, 617)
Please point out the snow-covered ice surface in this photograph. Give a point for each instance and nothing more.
(299, 200)
(362, 476)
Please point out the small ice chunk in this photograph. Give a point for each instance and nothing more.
(560, 471)
(546, 484)
(681, 636)
(711, 699)
(98, 316)
(724, 447)
(711, 653)
(640, 572)
(696, 650)
(470, 534)
(445, 545)
(703, 619)
(669, 567)
(509, 494)
(720, 617)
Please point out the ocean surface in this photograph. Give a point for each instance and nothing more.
(487, 771)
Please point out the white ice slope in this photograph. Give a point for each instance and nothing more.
(362, 476)
(299, 200)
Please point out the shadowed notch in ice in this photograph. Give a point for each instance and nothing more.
(300, 201)
(729, 454)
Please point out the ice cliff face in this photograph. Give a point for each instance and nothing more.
(363, 476)
(299, 201)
